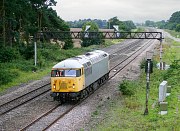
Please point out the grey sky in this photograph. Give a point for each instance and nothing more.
(136, 10)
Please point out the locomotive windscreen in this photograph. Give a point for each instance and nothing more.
(66, 73)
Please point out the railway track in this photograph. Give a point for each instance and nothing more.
(127, 47)
(120, 66)
(29, 96)
(15, 103)
(41, 122)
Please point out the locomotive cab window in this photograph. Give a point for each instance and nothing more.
(57, 73)
(78, 73)
(70, 73)
(66, 73)
(73, 73)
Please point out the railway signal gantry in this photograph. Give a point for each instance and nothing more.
(103, 35)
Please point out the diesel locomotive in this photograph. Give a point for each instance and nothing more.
(74, 78)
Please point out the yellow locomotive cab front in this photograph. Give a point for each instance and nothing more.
(67, 80)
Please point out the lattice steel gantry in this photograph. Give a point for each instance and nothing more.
(103, 35)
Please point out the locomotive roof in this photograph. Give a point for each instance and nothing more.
(96, 55)
(82, 60)
(69, 63)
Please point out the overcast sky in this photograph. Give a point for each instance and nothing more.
(136, 10)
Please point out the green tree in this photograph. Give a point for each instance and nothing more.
(173, 21)
(93, 40)
(113, 21)
(161, 24)
(80, 23)
(129, 25)
(175, 17)
(170, 26)
(178, 27)
(23, 18)
(149, 23)
(123, 25)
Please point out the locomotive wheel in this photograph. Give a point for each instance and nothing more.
(107, 76)
(102, 80)
(77, 99)
(90, 89)
(83, 94)
(99, 82)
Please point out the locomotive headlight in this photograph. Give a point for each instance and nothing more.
(54, 86)
(73, 86)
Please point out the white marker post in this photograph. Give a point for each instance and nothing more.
(35, 53)
(86, 31)
(116, 27)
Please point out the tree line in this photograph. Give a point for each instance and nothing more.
(96, 24)
(104, 24)
(79, 23)
(173, 23)
(21, 19)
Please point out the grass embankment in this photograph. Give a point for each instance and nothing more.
(21, 70)
(174, 33)
(127, 112)
(139, 29)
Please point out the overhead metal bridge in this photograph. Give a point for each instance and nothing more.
(103, 35)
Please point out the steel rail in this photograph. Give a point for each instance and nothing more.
(142, 48)
(20, 97)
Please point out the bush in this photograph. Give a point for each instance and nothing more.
(7, 76)
(41, 45)
(172, 74)
(175, 64)
(68, 44)
(27, 50)
(178, 28)
(25, 66)
(8, 54)
(127, 88)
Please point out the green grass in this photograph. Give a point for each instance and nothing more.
(111, 42)
(25, 77)
(174, 33)
(139, 29)
(172, 51)
(116, 41)
(127, 112)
